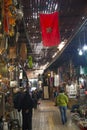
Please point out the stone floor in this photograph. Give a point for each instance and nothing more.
(47, 117)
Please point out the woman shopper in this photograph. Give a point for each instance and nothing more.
(62, 101)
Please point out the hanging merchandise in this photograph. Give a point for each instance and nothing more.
(12, 52)
(15, 2)
(11, 31)
(1, 16)
(56, 80)
(5, 125)
(50, 29)
(23, 51)
(3, 42)
(30, 62)
(7, 15)
(10, 17)
(85, 70)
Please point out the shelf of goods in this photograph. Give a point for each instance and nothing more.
(79, 116)
(83, 124)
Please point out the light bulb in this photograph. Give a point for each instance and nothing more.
(85, 47)
(80, 52)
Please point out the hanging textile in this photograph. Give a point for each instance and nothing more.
(50, 29)
(9, 19)
(12, 52)
(23, 51)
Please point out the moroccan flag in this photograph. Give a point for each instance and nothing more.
(50, 29)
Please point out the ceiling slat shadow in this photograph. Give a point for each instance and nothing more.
(71, 14)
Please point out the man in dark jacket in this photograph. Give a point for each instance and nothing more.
(17, 99)
(27, 106)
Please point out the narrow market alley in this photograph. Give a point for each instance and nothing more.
(47, 117)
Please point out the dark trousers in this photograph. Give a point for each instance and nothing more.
(27, 121)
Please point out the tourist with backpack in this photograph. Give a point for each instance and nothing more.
(62, 101)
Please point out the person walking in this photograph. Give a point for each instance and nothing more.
(62, 101)
(55, 94)
(27, 106)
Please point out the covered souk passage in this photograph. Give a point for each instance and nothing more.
(47, 117)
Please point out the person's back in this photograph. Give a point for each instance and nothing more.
(26, 107)
(27, 102)
(17, 100)
(62, 101)
(35, 98)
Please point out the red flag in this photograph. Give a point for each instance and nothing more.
(50, 29)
